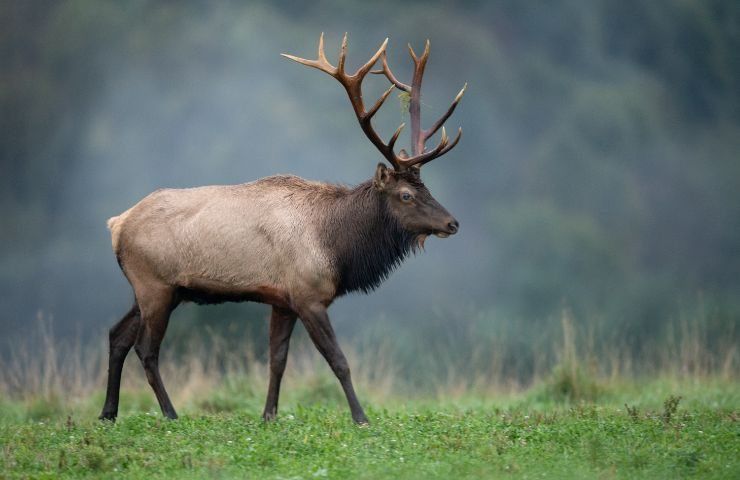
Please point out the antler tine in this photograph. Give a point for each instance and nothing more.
(433, 129)
(342, 55)
(393, 139)
(389, 75)
(411, 51)
(379, 103)
(321, 63)
(322, 56)
(363, 70)
(454, 142)
(387, 149)
(425, 157)
(445, 149)
(424, 55)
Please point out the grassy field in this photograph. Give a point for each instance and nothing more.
(636, 430)
(579, 417)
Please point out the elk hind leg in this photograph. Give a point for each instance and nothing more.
(156, 305)
(122, 337)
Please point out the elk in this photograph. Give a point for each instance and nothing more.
(284, 241)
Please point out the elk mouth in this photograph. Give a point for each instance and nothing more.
(421, 238)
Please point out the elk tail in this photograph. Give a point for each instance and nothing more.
(114, 225)
(112, 221)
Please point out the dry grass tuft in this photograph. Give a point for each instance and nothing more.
(48, 375)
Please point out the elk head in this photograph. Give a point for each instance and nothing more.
(407, 198)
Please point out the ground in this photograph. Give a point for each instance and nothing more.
(658, 435)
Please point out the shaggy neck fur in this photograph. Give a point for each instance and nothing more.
(366, 241)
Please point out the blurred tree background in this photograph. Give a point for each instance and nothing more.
(599, 170)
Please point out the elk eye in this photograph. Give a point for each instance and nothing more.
(406, 196)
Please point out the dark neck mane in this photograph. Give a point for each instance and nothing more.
(366, 241)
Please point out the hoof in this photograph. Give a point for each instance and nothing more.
(107, 417)
(361, 421)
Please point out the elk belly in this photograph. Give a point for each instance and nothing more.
(204, 291)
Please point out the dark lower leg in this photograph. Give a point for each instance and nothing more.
(122, 337)
(281, 327)
(150, 361)
(341, 370)
(322, 334)
(155, 317)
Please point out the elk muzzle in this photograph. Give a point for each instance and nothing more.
(452, 225)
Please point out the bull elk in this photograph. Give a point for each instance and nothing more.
(284, 241)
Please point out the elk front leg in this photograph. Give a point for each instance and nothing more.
(122, 337)
(316, 321)
(282, 322)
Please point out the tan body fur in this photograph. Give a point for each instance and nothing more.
(231, 240)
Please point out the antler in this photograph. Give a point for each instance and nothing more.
(353, 85)
(418, 135)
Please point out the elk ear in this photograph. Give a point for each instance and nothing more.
(382, 177)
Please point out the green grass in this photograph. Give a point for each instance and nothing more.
(524, 436)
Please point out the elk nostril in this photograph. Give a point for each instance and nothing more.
(453, 225)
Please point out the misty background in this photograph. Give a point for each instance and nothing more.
(598, 173)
